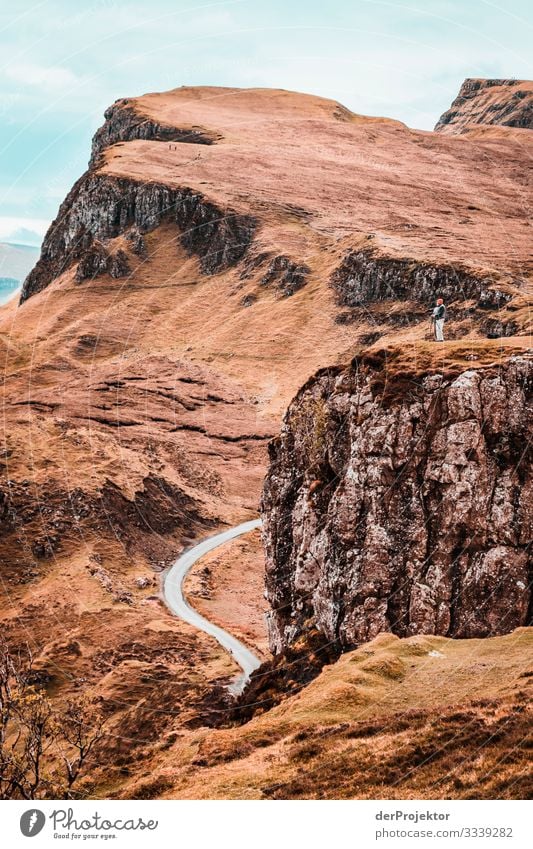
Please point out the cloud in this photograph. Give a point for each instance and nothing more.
(53, 78)
(23, 231)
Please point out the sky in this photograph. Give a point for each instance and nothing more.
(63, 62)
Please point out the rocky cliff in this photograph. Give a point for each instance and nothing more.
(403, 503)
(364, 277)
(508, 103)
(123, 122)
(100, 207)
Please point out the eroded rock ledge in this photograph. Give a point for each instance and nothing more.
(403, 505)
(101, 207)
(124, 123)
(364, 277)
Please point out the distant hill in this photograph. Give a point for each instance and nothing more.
(8, 287)
(16, 261)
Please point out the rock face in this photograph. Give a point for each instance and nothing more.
(124, 123)
(97, 260)
(508, 103)
(364, 277)
(402, 504)
(285, 275)
(100, 207)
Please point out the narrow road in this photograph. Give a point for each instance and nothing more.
(173, 593)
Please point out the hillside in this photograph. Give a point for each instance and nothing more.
(421, 718)
(223, 246)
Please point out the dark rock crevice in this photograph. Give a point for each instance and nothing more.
(98, 260)
(42, 520)
(287, 276)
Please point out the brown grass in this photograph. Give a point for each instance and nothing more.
(389, 720)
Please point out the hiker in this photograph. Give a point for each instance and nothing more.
(438, 317)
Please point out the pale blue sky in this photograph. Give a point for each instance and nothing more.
(63, 62)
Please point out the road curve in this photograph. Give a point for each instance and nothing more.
(173, 594)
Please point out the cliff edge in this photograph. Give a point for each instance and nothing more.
(401, 502)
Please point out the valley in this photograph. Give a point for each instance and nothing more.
(230, 255)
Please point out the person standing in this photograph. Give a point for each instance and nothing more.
(438, 317)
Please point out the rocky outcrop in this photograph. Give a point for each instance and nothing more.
(287, 276)
(98, 260)
(100, 207)
(495, 328)
(508, 103)
(138, 245)
(278, 272)
(124, 123)
(364, 276)
(403, 503)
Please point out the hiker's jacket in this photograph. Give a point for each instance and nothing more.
(439, 312)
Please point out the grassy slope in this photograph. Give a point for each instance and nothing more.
(424, 717)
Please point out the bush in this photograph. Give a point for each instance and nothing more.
(43, 751)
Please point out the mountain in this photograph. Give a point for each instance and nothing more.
(230, 253)
(489, 103)
(25, 237)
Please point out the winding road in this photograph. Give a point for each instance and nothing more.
(173, 594)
